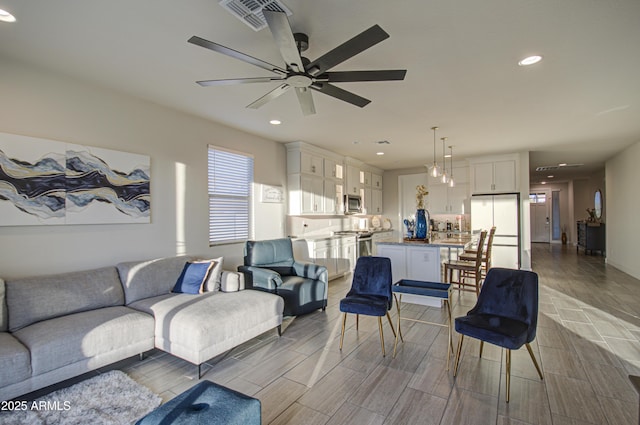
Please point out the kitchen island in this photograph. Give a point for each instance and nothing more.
(418, 260)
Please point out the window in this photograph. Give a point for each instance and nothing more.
(230, 180)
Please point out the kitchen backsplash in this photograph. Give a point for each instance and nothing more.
(310, 226)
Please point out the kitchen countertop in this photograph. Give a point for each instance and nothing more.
(332, 236)
(438, 243)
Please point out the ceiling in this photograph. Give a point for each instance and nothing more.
(581, 104)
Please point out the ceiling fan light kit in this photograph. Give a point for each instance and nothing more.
(301, 74)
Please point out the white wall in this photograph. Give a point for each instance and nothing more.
(45, 105)
(622, 205)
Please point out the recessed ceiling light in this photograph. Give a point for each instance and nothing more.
(543, 182)
(6, 16)
(379, 153)
(550, 177)
(563, 164)
(275, 122)
(530, 60)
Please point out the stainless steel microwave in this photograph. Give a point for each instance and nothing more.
(352, 204)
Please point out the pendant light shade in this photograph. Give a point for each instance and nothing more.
(444, 177)
(452, 182)
(434, 169)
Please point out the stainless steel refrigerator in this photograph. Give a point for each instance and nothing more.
(502, 211)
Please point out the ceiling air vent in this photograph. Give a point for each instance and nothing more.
(557, 167)
(250, 11)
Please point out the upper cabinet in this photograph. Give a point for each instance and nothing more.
(333, 169)
(355, 179)
(376, 181)
(494, 174)
(443, 199)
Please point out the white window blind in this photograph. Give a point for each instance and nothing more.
(230, 181)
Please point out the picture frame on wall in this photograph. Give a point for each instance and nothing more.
(46, 182)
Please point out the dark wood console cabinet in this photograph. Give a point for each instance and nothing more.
(591, 237)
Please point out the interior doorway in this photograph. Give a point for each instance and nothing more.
(540, 204)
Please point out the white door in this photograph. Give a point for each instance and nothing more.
(540, 223)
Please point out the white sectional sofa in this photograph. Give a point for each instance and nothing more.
(56, 327)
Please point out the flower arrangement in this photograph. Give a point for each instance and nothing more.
(592, 214)
(421, 192)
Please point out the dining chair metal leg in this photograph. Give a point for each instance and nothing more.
(450, 345)
(391, 324)
(535, 362)
(344, 322)
(508, 373)
(381, 335)
(455, 366)
(357, 321)
(481, 346)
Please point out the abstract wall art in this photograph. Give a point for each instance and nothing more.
(44, 182)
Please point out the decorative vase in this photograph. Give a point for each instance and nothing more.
(421, 223)
(564, 238)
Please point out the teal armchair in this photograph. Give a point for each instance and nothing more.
(269, 266)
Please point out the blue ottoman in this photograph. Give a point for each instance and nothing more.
(207, 403)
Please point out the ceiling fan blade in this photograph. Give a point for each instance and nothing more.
(205, 83)
(283, 36)
(235, 54)
(341, 94)
(278, 91)
(350, 76)
(306, 100)
(348, 49)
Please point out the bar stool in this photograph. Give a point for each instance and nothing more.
(470, 254)
(467, 270)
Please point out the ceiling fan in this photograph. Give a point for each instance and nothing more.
(302, 74)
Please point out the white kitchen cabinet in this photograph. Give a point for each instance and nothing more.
(333, 169)
(311, 164)
(305, 194)
(347, 255)
(337, 254)
(414, 262)
(372, 200)
(376, 202)
(333, 197)
(366, 178)
(354, 183)
(312, 189)
(376, 181)
(380, 237)
(499, 176)
(443, 199)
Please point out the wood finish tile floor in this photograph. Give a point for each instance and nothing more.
(588, 342)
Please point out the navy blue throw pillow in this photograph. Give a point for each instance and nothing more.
(193, 277)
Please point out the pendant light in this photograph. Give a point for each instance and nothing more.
(434, 170)
(444, 178)
(452, 183)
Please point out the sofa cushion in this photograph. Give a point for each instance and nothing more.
(197, 328)
(144, 279)
(30, 300)
(15, 365)
(214, 281)
(4, 321)
(65, 340)
(193, 277)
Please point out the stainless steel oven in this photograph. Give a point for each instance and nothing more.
(364, 241)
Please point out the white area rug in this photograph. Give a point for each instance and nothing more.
(108, 399)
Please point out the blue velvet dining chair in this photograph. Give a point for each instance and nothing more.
(506, 315)
(370, 293)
